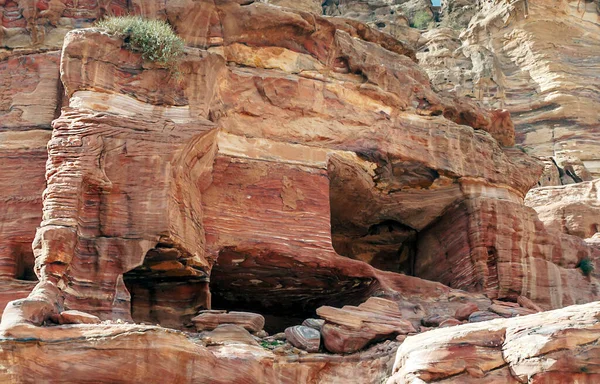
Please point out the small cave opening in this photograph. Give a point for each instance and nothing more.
(165, 290)
(24, 263)
(388, 245)
(492, 281)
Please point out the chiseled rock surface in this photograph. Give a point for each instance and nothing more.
(29, 100)
(537, 59)
(23, 161)
(29, 91)
(516, 256)
(23, 157)
(555, 346)
(573, 209)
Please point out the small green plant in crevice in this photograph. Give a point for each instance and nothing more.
(521, 148)
(154, 39)
(271, 344)
(586, 265)
(421, 20)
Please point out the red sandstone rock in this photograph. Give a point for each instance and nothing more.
(545, 346)
(321, 139)
(450, 323)
(23, 157)
(434, 320)
(77, 317)
(573, 209)
(508, 311)
(492, 260)
(228, 334)
(349, 329)
(526, 303)
(299, 173)
(464, 311)
(44, 301)
(252, 322)
(303, 337)
(149, 354)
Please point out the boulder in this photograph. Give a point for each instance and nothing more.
(510, 311)
(228, 334)
(464, 311)
(450, 322)
(479, 316)
(314, 323)
(349, 329)
(303, 337)
(555, 346)
(434, 320)
(77, 317)
(527, 303)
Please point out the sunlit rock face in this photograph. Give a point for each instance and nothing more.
(536, 59)
(573, 209)
(288, 166)
(530, 348)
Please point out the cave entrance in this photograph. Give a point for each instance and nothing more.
(281, 287)
(24, 263)
(373, 216)
(166, 290)
(388, 245)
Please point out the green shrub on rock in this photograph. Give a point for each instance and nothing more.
(154, 39)
(586, 265)
(421, 20)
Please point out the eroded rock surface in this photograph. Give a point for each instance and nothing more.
(537, 59)
(572, 209)
(290, 165)
(555, 346)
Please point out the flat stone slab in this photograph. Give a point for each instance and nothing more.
(207, 321)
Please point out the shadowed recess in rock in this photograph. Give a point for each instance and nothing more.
(376, 215)
(282, 287)
(166, 290)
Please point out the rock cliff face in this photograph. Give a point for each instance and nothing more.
(537, 59)
(291, 165)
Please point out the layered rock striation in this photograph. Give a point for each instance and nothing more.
(537, 59)
(288, 164)
(557, 346)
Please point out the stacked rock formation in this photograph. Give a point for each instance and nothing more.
(292, 166)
